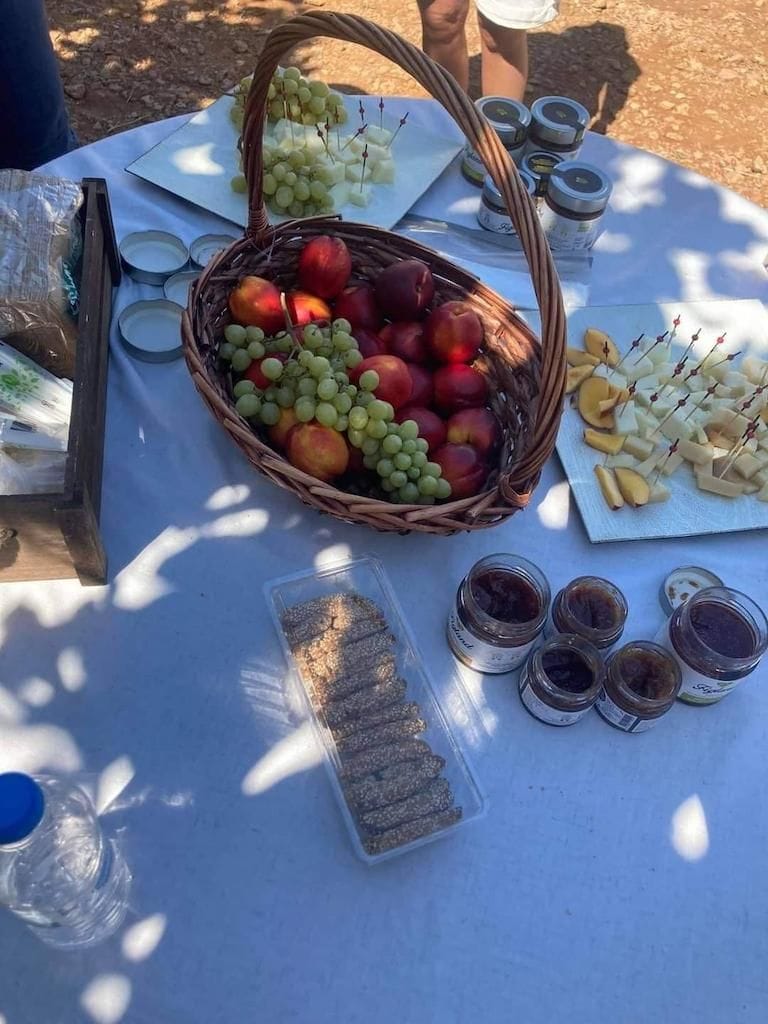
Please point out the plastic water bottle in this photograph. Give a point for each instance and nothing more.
(58, 871)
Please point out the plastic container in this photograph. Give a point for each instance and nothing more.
(58, 872)
(365, 577)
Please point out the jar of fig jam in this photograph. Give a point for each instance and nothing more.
(561, 679)
(500, 610)
(717, 637)
(642, 681)
(592, 608)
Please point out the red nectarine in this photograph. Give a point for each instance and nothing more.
(320, 451)
(431, 427)
(394, 378)
(404, 340)
(324, 266)
(458, 386)
(462, 467)
(478, 427)
(369, 342)
(453, 333)
(357, 303)
(280, 431)
(405, 289)
(306, 309)
(422, 391)
(255, 302)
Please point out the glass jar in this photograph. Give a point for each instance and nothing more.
(717, 637)
(576, 197)
(500, 610)
(557, 126)
(642, 681)
(510, 120)
(539, 166)
(592, 608)
(561, 679)
(492, 213)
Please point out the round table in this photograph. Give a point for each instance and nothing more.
(614, 878)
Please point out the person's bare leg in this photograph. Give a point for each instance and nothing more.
(504, 59)
(443, 35)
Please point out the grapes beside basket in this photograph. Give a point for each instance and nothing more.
(363, 384)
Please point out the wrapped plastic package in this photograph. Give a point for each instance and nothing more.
(40, 243)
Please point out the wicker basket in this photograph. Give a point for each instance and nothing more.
(526, 380)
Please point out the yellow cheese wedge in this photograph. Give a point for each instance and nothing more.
(714, 485)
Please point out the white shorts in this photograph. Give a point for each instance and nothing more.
(519, 13)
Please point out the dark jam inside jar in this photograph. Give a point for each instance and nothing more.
(505, 596)
(567, 670)
(723, 630)
(648, 675)
(593, 607)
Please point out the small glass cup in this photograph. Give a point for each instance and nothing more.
(717, 637)
(500, 609)
(642, 681)
(561, 679)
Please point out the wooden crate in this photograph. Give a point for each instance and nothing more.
(56, 536)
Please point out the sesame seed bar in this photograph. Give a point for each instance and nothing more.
(393, 784)
(357, 766)
(390, 732)
(435, 797)
(411, 830)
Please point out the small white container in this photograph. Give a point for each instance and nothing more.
(152, 256)
(576, 198)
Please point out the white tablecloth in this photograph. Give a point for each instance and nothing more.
(614, 878)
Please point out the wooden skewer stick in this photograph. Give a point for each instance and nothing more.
(381, 113)
(365, 160)
(361, 112)
(324, 141)
(727, 359)
(680, 403)
(630, 392)
(337, 119)
(397, 130)
(635, 344)
(710, 391)
(659, 339)
(739, 447)
(662, 464)
(718, 341)
(351, 138)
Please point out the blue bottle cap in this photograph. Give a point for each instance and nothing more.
(21, 806)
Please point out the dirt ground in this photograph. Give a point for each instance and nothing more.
(685, 79)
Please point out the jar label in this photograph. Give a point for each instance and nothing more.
(482, 656)
(492, 221)
(542, 711)
(696, 688)
(566, 234)
(612, 713)
(472, 166)
(537, 146)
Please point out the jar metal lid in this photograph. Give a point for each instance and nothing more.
(176, 288)
(150, 330)
(509, 118)
(539, 165)
(579, 187)
(204, 248)
(153, 256)
(494, 196)
(559, 119)
(682, 583)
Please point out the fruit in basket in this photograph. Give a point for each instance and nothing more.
(357, 303)
(463, 468)
(601, 346)
(255, 373)
(405, 339)
(422, 389)
(255, 302)
(369, 342)
(394, 380)
(431, 427)
(592, 392)
(477, 426)
(278, 434)
(453, 333)
(458, 386)
(324, 266)
(405, 289)
(305, 308)
(320, 451)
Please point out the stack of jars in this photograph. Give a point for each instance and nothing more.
(544, 142)
(567, 650)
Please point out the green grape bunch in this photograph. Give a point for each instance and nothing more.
(311, 383)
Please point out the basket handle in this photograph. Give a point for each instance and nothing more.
(483, 139)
